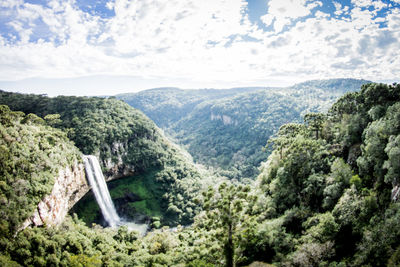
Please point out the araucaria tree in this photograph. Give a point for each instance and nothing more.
(226, 218)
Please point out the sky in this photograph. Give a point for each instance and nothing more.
(105, 47)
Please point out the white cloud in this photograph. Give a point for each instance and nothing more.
(110, 5)
(362, 3)
(145, 37)
(314, 4)
(204, 42)
(319, 14)
(361, 18)
(285, 11)
(11, 3)
(267, 19)
(339, 8)
(377, 4)
(394, 20)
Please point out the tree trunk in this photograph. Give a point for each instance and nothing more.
(229, 248)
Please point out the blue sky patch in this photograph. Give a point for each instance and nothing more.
(96, 8)
(216, 43)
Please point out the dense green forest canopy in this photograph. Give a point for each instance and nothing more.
(121, 136)
(324, 198)
(227, 129)
(31, 154)
(329, 194)
(168, 105)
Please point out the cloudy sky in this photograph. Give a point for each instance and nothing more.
(93, 47)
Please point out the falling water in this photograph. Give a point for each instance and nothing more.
(100, 190)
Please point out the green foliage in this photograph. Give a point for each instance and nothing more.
(226, 218)
(230, 133)
(296, 179)
(273, 241)
(315, 121)
(106, 127)
(394, 259)
(381, 145)
(82, 260)
(31, 154)
(392, 164)
(227, 129)
(166, 106)
(6, 261)
(320, 228)
(126, 142)
(322, 199)
(329, 183)
(132, 196)
(72, 244)
(356, 181)
(380, 242)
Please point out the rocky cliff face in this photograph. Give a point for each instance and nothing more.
(115, 168)
(70, 185)
(226, 120)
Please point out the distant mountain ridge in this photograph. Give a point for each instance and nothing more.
(228, 128)
(167, 105)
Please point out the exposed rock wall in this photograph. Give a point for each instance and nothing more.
(116, 168)
(70, 185)
(226, 120)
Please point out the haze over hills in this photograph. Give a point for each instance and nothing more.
(228, 129)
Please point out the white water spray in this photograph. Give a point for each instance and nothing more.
(100, 190)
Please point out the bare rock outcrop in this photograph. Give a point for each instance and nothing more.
(116, 168)
(69, 186)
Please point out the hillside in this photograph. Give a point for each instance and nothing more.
(31, 155)
(128, 144)
(227, 129)
(327, 189)
(326, 196)
(166, 106)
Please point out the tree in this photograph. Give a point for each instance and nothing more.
(285, 136)
(303, 157)
(314, 122)
(226, 212)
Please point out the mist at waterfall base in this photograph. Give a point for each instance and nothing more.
(100, 190)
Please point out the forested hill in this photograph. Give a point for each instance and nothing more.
(31, 155)
(326, 196)
(227, 129)
(327, 193)
(127, 144)
(166, 106)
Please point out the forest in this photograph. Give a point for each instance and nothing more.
(226, 130)
(326, 193)
(98, 126)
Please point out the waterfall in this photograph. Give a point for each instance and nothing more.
(100, 190)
